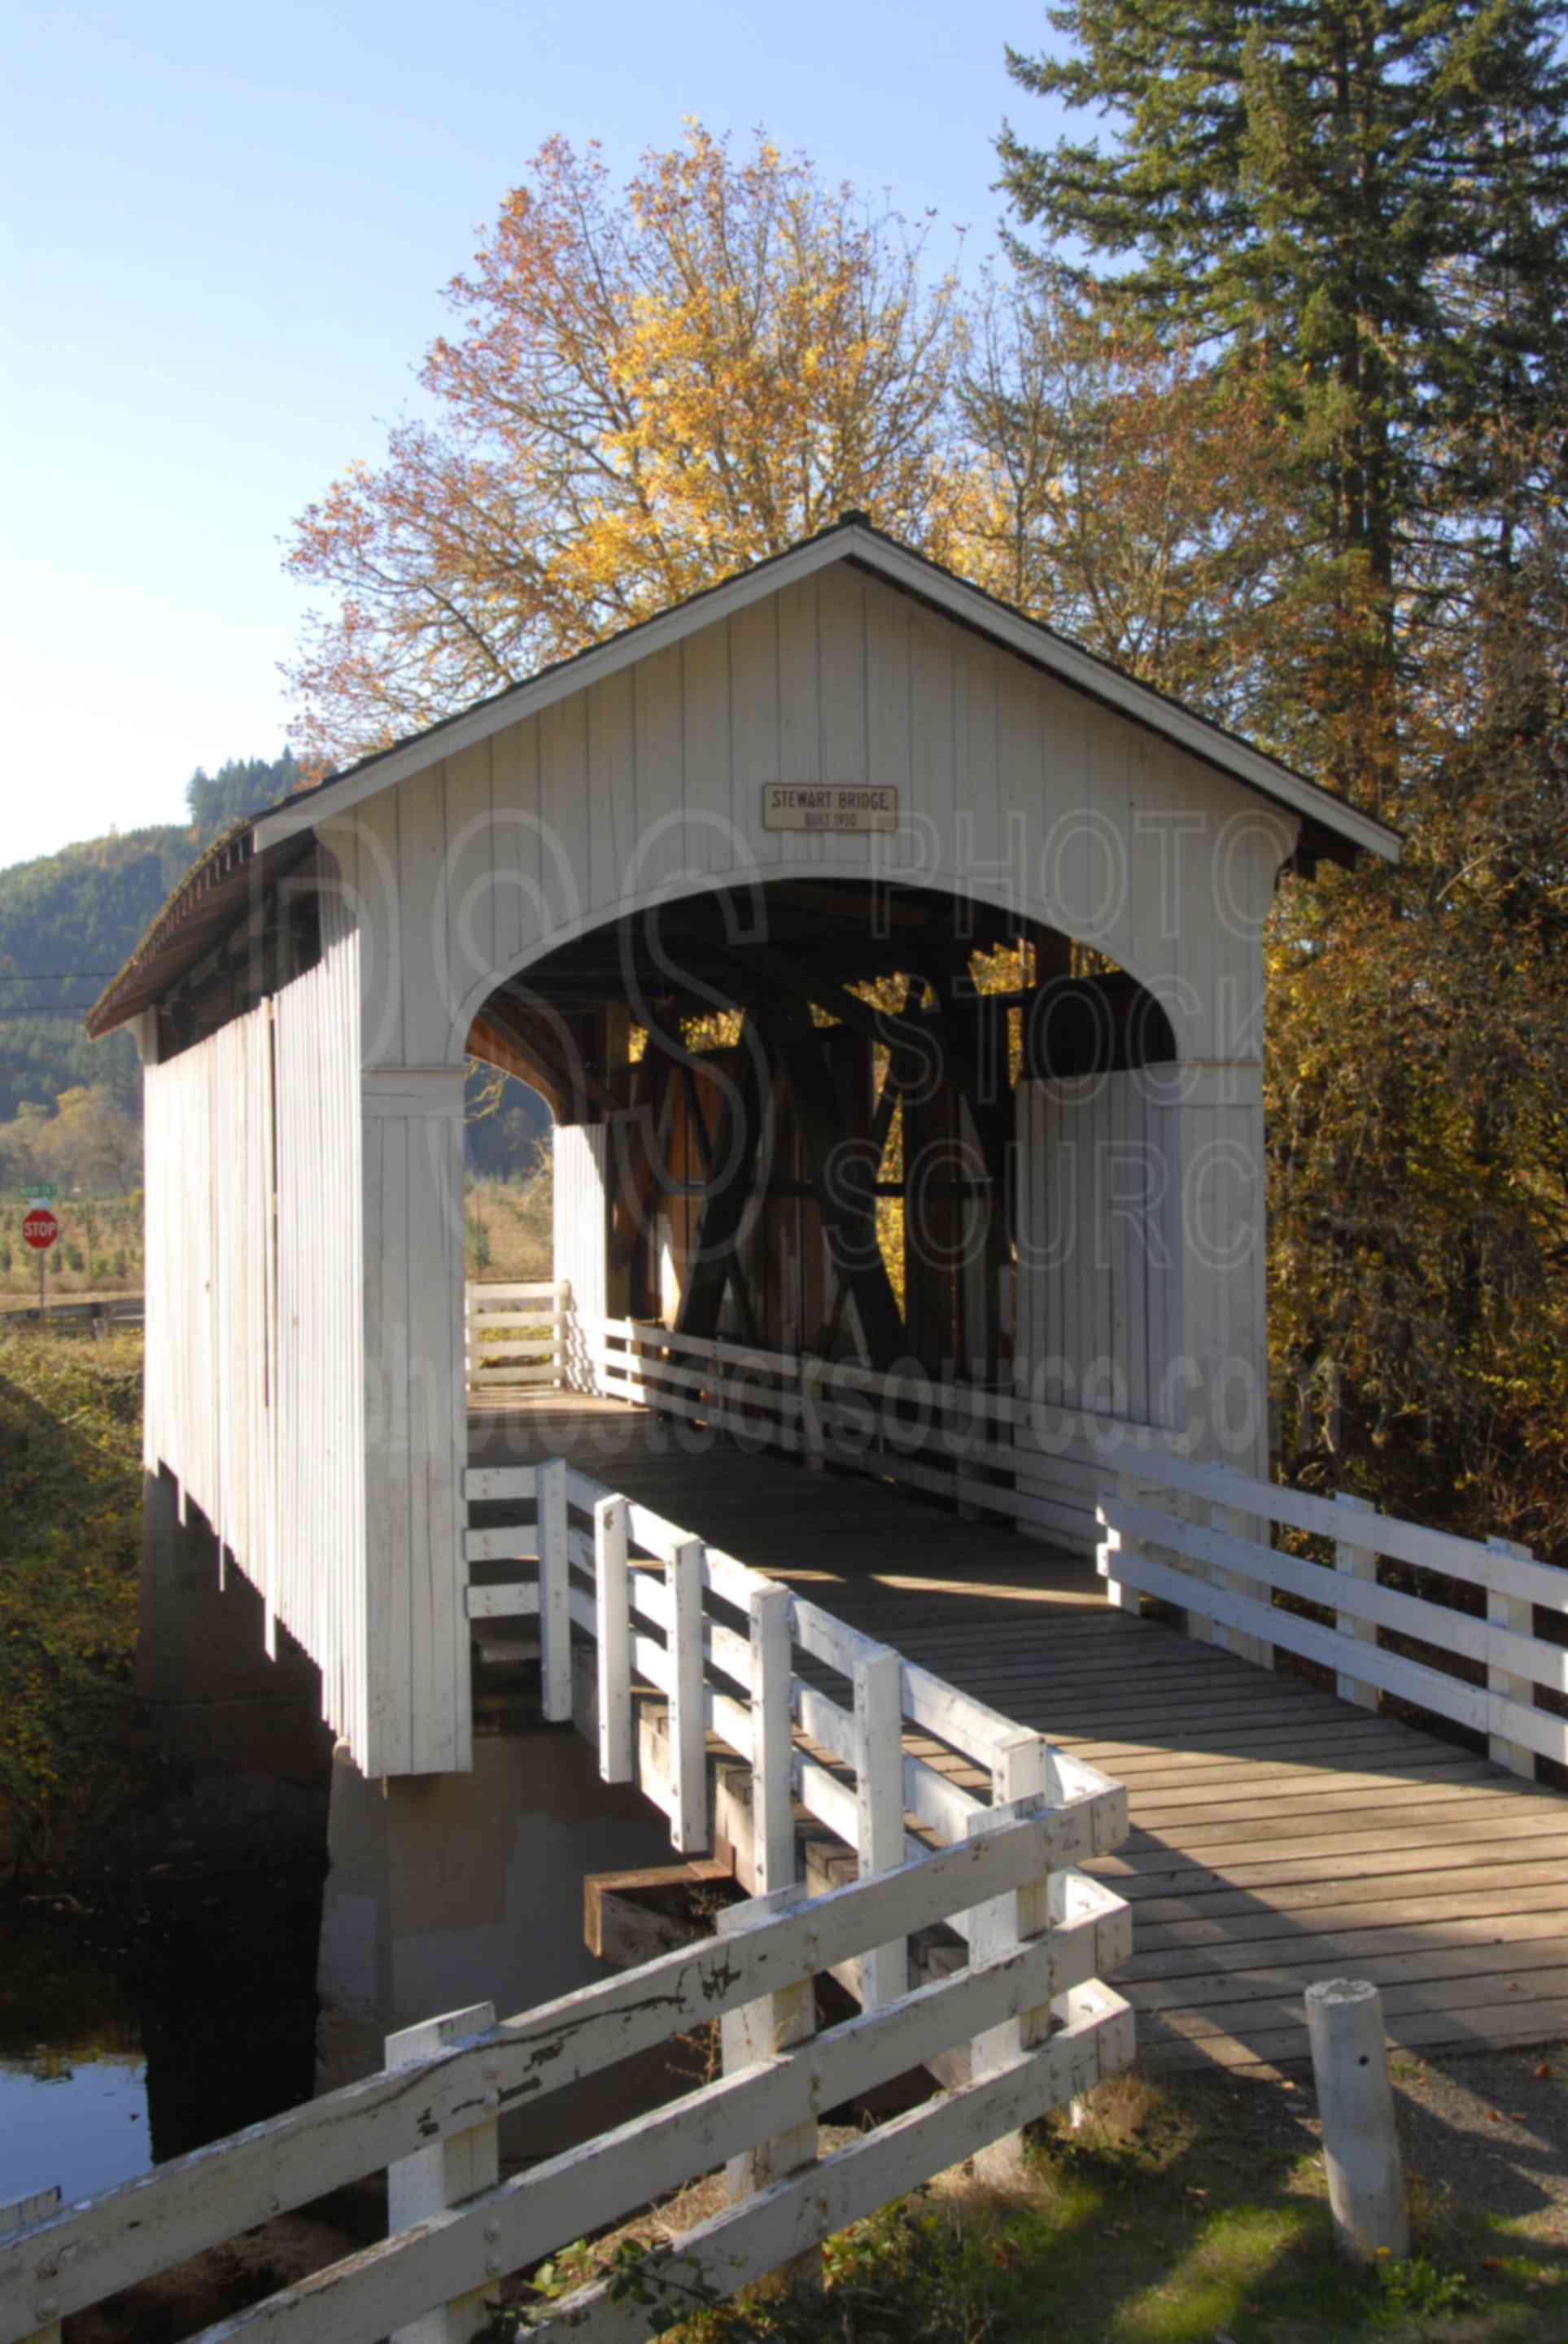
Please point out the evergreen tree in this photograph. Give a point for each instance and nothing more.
(1364, 201)
(244, 785)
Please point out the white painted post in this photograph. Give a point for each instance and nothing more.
(1518, 1614)
(1020, 1770)
(1231, 1522)
(761, 2030)
(21, 2215)
(1200, 1628)
(612, 1632)
(555, 1614)
(772, 1740)
(1360, 1562)
(1355, 2102)
(880, 1806)
(450, 2170)
(1113, 1542)
(687, 1728)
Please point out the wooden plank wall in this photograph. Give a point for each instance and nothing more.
(581, 1233)
(321, 1591)
(1098, 1276)
(1010, 786)
(252, 1137)
(1097, 1237)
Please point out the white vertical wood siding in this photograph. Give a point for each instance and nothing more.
(1010, 786)
(320, 1588)
(580, 1237)
(253, 1377)
(1098, 1276)
(1097, 1242)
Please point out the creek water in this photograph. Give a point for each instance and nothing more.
(140, 2019)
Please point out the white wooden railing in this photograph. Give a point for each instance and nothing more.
(1043, 2030)
(514, 1335)
(1016, 2016)
(1197, 1537)
(990, 1450)
(1201, 1537)
(719, 1641)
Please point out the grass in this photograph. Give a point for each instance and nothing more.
(70, 1503)
(1195, 2216)
(507, 1228)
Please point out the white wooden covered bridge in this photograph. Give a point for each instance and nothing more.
(894, 971)
(634, 838)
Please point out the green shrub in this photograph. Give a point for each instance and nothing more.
(70, 1502)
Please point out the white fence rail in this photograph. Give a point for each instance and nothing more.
(1042, 2027)
(1446, 1624)
(672, 1623)
(514, 1335)
(721, 1643)
(988, 1451)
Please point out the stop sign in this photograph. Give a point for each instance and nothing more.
(40, 1228)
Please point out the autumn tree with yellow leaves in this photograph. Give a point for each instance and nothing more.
(642, 392)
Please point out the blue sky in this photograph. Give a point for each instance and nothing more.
(226, 233)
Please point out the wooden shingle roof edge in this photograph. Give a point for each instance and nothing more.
(202, 910)
(1332, 827)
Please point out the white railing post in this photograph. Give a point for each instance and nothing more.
(1234, 1521)
(1359, 1562)
(1518, 1614)
(687, 1726)
(1113, 1542)
(554, 1598)
(46, 2307)
(760, 2030)
(772, 1741)
(1020, 1770)
(880, 1806)
(612, 1635)
(450, 2170)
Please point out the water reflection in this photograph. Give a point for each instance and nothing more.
(77, 2124)
(145, 2020)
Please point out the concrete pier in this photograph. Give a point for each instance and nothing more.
(450, 1889)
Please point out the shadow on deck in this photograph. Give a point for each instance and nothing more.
(1279, 1835)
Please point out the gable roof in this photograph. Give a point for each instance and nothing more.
(1332, 826)
(852, 538)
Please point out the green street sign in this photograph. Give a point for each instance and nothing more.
(41, 1192)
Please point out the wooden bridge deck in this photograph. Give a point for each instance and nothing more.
(1279, 1835)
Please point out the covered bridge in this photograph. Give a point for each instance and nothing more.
(973, 922)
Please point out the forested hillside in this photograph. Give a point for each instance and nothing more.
(70, 1108)
(69, 920)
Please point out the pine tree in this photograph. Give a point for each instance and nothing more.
(1365, 201)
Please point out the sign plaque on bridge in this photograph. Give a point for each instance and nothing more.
(849, 808)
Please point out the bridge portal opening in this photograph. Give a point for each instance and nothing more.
(789, 1112)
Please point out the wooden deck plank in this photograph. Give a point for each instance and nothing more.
(1279, 1835)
